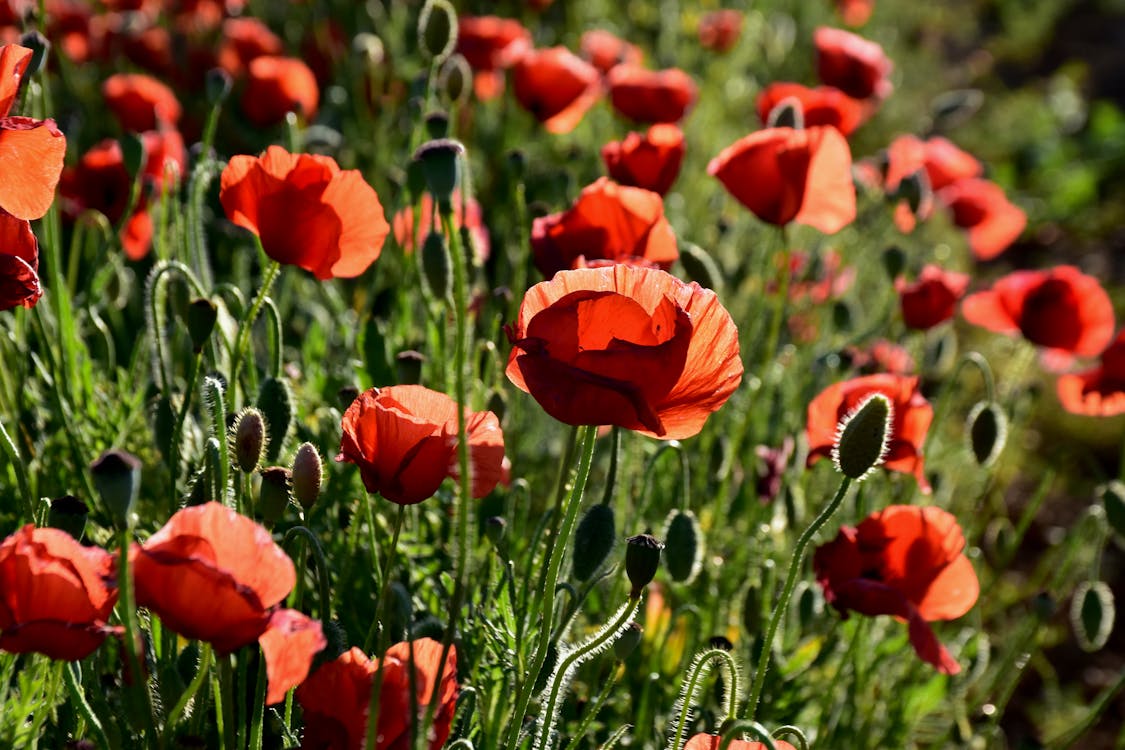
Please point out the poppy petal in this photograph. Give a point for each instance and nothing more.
(31, 160)
(289, 643)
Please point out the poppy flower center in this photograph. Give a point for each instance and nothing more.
(1051, 317)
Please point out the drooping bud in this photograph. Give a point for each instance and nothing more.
(217, 85)
(1091, 615)
(863, 437)
(683, 546)
(441, 166)
(39, 47)
(1113, 498)
(988, 431)
(787, 113)
(247, 439)
(200, 317)
(627, 643)
(273, 497)
(700, 266)
(308, 472)
(642, 560)
(275, 401)
(593, 540)
(437, 29)
(455, 79)
(437, 265)
(495, 528)
(69, 514)
(117, 478)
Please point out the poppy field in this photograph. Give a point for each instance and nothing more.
(420, 374)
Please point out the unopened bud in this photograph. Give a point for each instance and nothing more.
(200, 317)
(437, 29)
(247, 439)
(455, 79)
(593, 540)
(988, 430)
(441, 166)
(495, 528)
(217, 85)
(437, 265)
(39, 47)
(408, 366)
(863, 437)
(308, 472)
(916, 191)
(117, 478)
(628, 641)
(132, 154)
(1092, 614)
(273, 498)
(642, 560)
(894, 261)
(787, 113)
(1113, 498)
(69, 514)
(683, 546)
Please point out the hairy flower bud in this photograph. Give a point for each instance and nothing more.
(308, 471)
(247, 439)
(863, 436)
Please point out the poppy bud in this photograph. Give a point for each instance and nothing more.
(1113, 497)
(415, 179)
(273, 497)
(275, 401)
(1092, 615)
(39, 47)
(399, 612)
(455, 79)
(593, 540)
(437, 124)
(862, 437)
(916, 191)
(683, 546)
(810, 603)
(842, 315)
(69, 514)
(117, 478)
(437, 29)
(307, 474)
(700, 266)
(498, 404)
(1044, 605)
(628, 641)
(408, 366)
(247, 439)
(642, 559)
(787, 113)
(894, 261)
(441, 166)
(200, 317)
(494, 529)
(999, 540)
(132, 153)
(370, 50)
(988, 430)
(163, 425)
(437, 265)
(197, 495)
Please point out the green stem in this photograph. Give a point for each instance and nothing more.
(782, 300)
(554, 564)
(736, 729)
(178, 430)
(384, 595)
(77, 697)
(701, 667)
(792, 731)
(247, 322)
(186, 697)
(133, 633)
(226, 703)
(322, 578)
(591, 712)
(20, 469)
(256, 717)
(795, 565)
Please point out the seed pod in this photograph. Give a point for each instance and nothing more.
(863, 436)
(437, 124)
(441, 166)
(593, 540)
(247, 439)
(273, 498)
(200, 318)
(683, 546)
(455, 79)
(437, 29)
(39, 47)
(275, 401)
(437, 265)
(117, 478)
(69, 514)
(787, 113)
(628, 642)
(408, 367)
(988, 431)
(132, 153)
(642, 560)
(1092, 614)
(700, 266)
(308, 471)
(1113, 498)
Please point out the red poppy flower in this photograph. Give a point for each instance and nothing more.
(980, 207)
(276, 86)
(785, 175)
(651, 95)
(942, 160)
(245, 40)
(855, 12)
(605, 50)
(335, 698)
(404, 441)
(215, 576)
(100, 182)
(881, 356)
(713, 742)
(650, 161)
(306, 210)
(852, 64)
(56, 595)
(140, 102)
(823, 105)
(906, 561)
(912, 417)
(930, 300)
(719, 30)
(490, 44)
(1061, 308)
(627, 346)
(31, 151)
(1098, 392)
(19, 263)
(608, 221)
(555, 86)
(403, 224)
(817, 278)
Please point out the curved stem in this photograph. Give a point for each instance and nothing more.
(792, 731)
(782, 299)
(700, 667)
(554, 564)
(74, 687)
(188, 694)
(247, 322)
(176, 459)
(322, 579)
(782, 605)
(736, 729)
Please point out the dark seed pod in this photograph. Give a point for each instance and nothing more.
(683, 546)
(1091, 615)
(455, 79)
(275, 401)
(441, 167)
(200, 318)
(593, 540)
(117, 478)
(988, 431)
(642, 560)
